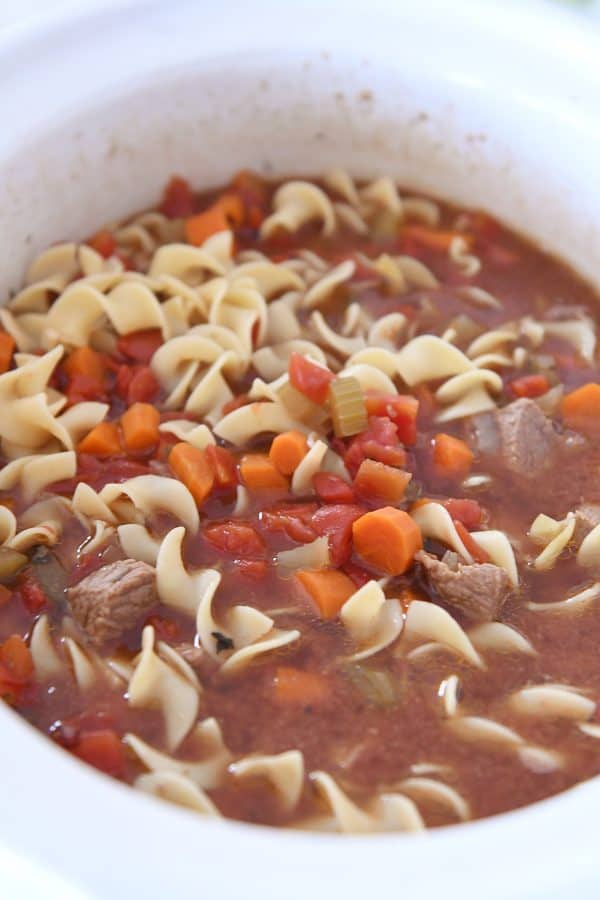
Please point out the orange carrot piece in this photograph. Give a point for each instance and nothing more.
(452, 457)
(193, 468)
(387, 539)
(7, 348)
(16, 658)
(84, 361)
(328, 588)
(581, 409)
(297, 687)
(140, 427)
(227, 212)
(288, 450)
(259, 474)
(103, 440)
(434, 239)
(377, 481)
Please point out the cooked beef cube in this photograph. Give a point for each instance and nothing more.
(110, 601)
(520, 434)
(586, 518)
(477, 591)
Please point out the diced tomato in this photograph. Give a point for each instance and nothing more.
(335, 522)
(177, 200)
(143, 387)
(294, 520)
(224, 465)
(379, 441)
(253, 569)
(468, 512)
(237, 538)
(140, 346)
(401, 409)
(331, 488)
(103, 242)
(309, 378)
(235, 403)
(166, 629)
(530, 386)
(477, 552)
(16, 660)
(358, 575)
(102, 749)
(34, 597)
(85, 387)
(501, 256)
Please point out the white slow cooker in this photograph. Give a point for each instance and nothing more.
(494, 105)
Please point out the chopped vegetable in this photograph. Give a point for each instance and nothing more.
(288, 450)
(11, 561)
(237, 538)
(387, 539)
(297, 687)
(328, 588)
(530, 386)
(140, 427)
(102, 749)
(103, 440)
(468, 512)
(103, 242)
(193, 468)
(377, 687)
(294, 520)
(375, 481)
(140, 346)
(581, 409)
(7, 348)
(401, 409)
(87, 362)
(226, 213)
(259, 474)
(178, 200)
(139, 385)
(15, 658)
(331, 488)
(336, 523)
(379, 441)
(309, 378)
(434, 239)
(224, 466)
(477, 552)
(347, 406)
(452, 457)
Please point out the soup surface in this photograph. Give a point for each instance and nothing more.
(300, 507)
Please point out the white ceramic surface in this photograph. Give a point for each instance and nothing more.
(485, 104)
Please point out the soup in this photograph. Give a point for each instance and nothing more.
(299, 507)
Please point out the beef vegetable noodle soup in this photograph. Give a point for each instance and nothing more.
(300, 507)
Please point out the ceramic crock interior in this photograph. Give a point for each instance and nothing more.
(511, 140)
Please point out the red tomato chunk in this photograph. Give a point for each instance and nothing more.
(468, 512)
(331, 488)
(236, 538)
(140, 346)
(336, 523)
(102, 749)
(401, 409)
(379, 442)
(309, 378)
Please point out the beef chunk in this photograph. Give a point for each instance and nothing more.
(110, 601)
(477, 591)
(586, 518)
(520, 433)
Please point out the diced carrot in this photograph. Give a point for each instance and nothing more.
(581, 409)
(530, 386)
(85, 361)
(224, 465)
(102, 749)
(297, 687)
(309, 378)
(7, 348)
(16, 658)
(5, 595)
(432, 238)
(328, 589)
(477, 552)
(103, 242)
(387, 539)
(331, 488)
(258, 473)
(375, 481)
(140, 427)
(288, 450)
(103, 440)
(227, 212)
(452, 457)
(140, 346)
(193, 468)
